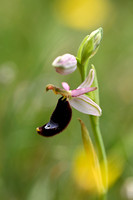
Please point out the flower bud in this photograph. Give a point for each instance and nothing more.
(91, 45)
(65, 64)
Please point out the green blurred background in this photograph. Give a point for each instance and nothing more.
(32, 34)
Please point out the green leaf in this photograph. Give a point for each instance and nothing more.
(92, 157)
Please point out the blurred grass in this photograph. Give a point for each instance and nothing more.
(33, 167)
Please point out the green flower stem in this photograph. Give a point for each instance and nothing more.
(87, 49)
(83, 69)
(101, 149)
(82, 72)
(96, 129)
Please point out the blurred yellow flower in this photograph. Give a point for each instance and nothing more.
(83, 14)
(84, 175)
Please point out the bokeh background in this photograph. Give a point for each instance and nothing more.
(32, 34)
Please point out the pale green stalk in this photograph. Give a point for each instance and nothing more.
(100, 147)
(96, 130)
(87, 49)
(83, 69)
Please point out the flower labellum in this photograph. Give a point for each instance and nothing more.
(65, 64)
(59, 119)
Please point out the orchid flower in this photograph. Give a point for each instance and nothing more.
(77, 97)
(61, 116)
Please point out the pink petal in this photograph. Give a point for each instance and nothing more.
(85, 105)
(80, 91)
(88, 81)
(65, 86)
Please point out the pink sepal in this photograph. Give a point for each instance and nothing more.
(85, 105)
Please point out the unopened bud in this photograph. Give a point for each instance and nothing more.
(91, 45)
(65, 64)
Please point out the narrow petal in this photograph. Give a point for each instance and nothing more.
(85, 105)
(80, 91)
(65, 86)
(88, 81)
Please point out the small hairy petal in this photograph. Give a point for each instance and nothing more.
(65, 86)
(89, 80)
(85, 105)
(80, 91)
